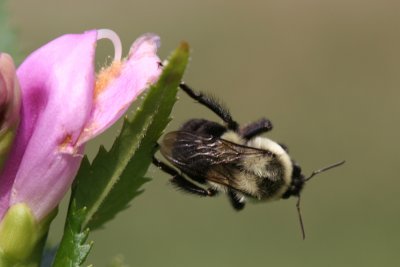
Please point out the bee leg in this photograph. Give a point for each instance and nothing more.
(202, 126)
(212, 104)
(256, 128)
(181, 182)
(237, 201)
(164, 167)
(187, 186)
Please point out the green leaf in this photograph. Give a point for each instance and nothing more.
(73, 249)
(115, 177)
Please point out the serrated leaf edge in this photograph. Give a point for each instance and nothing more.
(117, 174)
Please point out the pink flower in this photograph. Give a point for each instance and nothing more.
(64, 105)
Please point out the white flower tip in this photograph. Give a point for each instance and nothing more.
(147, 44)
(114, 38)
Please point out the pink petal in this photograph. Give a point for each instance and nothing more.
(121, 84)
(57, 83)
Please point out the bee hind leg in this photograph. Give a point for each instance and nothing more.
(187, 186)
(181, 182)
(164, 167)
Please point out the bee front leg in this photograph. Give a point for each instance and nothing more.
(213, 105)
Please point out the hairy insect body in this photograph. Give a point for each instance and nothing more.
(209, 157)
(211, 154)
(264, 177)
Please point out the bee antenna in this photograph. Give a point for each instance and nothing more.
(303, 232)
(337, 164)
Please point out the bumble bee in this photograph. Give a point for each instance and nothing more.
(210, 157)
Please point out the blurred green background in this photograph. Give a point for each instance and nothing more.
(327, 73)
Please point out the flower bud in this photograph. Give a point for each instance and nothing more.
(20, 236)
(10, 104)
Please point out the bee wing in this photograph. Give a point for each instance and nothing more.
(206, 156)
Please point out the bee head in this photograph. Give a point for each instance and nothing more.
(297, 182)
